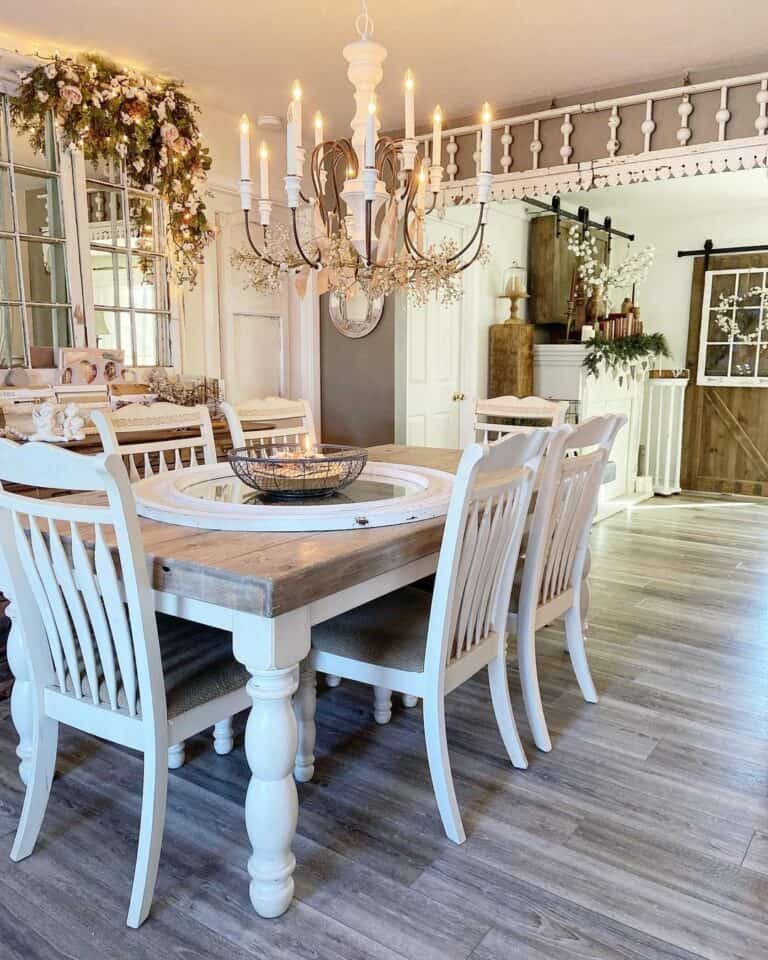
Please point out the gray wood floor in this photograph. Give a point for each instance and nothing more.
(643, 835)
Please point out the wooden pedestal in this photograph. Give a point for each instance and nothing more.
(510, 360)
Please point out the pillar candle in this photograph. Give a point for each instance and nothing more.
(297, 110)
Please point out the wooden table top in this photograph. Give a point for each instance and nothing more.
(272, 573)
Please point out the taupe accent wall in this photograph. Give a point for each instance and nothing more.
(358, 381)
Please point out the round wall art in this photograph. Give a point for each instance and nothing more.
(355, 316)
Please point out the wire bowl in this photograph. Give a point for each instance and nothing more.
(294, 471)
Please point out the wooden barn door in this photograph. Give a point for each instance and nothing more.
(725, 435)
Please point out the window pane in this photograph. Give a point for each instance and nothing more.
(762, 359)
(744, 361)
(113, 331)
(9, 279)
(150, 337)
(38, 205)
(103, 170)
(11, 337)
(3, 134)
(24, 155)
(143, 228)
(109, 272)
(717, 361)
(723, 285)
(105, 216)
(50, 327)
(43, 267)
(150, 285)
(719, 331)
(747, 320)
(6, 206)
(747, 282)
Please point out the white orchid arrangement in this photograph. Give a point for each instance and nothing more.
(598, 277)
(726, 320)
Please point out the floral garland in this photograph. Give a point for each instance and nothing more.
(726, 320)
(122, 116)
(597, 276)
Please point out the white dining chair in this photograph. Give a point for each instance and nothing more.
(99, 659)
(270, 420)
(553, 581)
(195, 444)
(513, 414)
(426, 645)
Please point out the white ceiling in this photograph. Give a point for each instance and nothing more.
(244, 55)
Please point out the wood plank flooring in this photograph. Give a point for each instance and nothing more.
(642, 836)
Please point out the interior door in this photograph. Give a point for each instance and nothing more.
(433, 386)
(725, 433)
(255, 341)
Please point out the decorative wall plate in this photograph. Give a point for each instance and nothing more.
(355, 316)
(211, 497)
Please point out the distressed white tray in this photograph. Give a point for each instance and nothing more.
(164, 497)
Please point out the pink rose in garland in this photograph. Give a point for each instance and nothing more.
(147, 124)
(71, 95)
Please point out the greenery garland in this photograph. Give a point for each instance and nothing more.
(123, 116)
(616, 355)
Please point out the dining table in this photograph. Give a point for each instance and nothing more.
(269, 590)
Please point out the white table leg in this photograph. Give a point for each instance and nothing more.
(271, 650)
(304, 706)
(21, 696)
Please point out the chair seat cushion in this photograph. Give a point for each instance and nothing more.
(390, 631)
(198, 664)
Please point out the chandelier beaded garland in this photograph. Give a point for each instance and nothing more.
(365, 188)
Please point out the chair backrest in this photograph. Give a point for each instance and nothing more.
(566, 503)
(116, 428)
(511, 410)
(484, 527)
(274, 421)
(88, 632)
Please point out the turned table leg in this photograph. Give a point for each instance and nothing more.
(304, 706)
(271, 650)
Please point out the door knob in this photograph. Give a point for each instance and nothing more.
(458, 396)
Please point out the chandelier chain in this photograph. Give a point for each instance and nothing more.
(364, 22)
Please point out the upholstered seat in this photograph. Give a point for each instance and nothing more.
(198, 666)
(390, 631)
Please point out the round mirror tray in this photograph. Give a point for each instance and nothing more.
(211, 497)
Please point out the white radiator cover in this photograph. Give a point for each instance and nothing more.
(662, 434)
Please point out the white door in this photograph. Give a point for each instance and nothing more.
(433, 382)
(255, 340)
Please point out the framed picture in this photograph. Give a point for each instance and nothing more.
(87, 365)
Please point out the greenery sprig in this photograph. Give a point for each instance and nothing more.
(619, 354)
(120, 115)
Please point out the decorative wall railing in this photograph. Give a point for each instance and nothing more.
(694, 128)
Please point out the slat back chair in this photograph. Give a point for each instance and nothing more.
(117, 427)
(426, 646)
(511, 410)
(557, 553)
(91, 638)
(289, 421)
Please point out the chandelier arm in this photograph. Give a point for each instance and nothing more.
(314, 264)
(477, 253)
(472, 239)
(259, 254)
(410, 245)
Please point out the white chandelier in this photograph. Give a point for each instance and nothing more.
(363, 229)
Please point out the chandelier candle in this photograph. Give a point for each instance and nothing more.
(485, 147)
(245, 163)
(264, 172)
(410, 123)
(437, 135)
